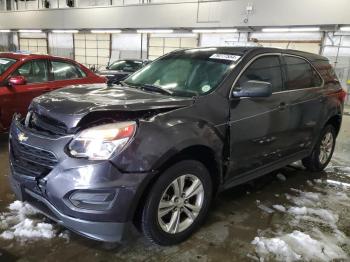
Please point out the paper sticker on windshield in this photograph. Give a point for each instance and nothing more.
(233, 58)
(4, 62)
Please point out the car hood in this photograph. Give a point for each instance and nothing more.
(69, 105)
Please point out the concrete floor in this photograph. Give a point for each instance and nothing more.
(236, 218)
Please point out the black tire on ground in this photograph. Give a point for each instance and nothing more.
(150, 223)
(313, 162)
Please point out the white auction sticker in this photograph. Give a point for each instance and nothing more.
(4, 62)
(226, 57)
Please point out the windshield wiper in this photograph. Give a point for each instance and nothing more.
(156, 88)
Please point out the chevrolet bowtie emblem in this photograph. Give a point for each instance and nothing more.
(22, 137)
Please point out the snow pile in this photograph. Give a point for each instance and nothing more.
(65, 235)
(311, 231)
(266, 208)
(21, 223)
(324, 214)
(281, 177)
(278, 247)
(279, 208)
(297, 246)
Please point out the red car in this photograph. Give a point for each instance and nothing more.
(25, 76)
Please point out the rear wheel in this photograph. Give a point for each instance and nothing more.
(322, 152)
(177, 204)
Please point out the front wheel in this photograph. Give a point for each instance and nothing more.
(177, 203)
(322, 152)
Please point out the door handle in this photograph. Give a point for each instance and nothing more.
(282, 106)
(322, 99)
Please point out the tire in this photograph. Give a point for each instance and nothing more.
(317, 161)
(156, 221)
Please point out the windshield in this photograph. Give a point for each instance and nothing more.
(5, 63)
(185, 73)
(126, 65)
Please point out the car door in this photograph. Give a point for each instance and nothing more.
(65, 74)
(306, 98)
(6, 94)
(37, 82)
(259, 127)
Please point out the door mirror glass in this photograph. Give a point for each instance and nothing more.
(17, 81)
(253, 88)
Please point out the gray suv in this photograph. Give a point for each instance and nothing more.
(155, 150)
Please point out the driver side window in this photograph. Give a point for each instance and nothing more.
(34, 71)
(267, 69)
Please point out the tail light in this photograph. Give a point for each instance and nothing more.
(342, 95)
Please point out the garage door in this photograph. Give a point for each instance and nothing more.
(159, 46)
(33, 45)
(312, 47)
(92, 49)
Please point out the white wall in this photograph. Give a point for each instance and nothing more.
(234, 39)
(128, 46)
(336, 47)
(61, 45)
(4, 42)
(191, 14)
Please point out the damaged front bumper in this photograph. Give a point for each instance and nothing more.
(101, 231)
(92, 198)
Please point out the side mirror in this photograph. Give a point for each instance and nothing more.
(253, 88)
(17, 81)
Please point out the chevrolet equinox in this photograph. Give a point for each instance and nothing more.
(154, 150)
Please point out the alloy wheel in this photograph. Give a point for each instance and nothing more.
(180, 204)
(326, 147)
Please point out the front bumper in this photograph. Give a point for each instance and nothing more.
(101, 231)
(46, 177)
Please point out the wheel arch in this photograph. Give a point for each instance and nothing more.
(201, 153)
(335, 121)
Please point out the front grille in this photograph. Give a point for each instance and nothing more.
(47, 125)
(31, 161)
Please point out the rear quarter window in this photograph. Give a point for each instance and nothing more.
(300, 74)
(63, 70)
(326, 70)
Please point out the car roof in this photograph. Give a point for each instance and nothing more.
(28, 56)
(243, 50)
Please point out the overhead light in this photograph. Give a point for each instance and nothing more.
(30, 31)
(304, 29)
(182, 35)
(155, 31)
(65, 31)
(5, 31)
(223, 30)
(292, 29)
(273, 30)
(345, 28)
(106, 31)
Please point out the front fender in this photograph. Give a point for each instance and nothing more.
(156, 142)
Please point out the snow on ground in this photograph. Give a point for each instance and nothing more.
(298, 246)
(21, 222)
(313, 229)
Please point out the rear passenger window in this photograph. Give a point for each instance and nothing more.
(66, 71)
(300, 74)
(267, 69)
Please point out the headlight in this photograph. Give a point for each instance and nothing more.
(100, 142)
